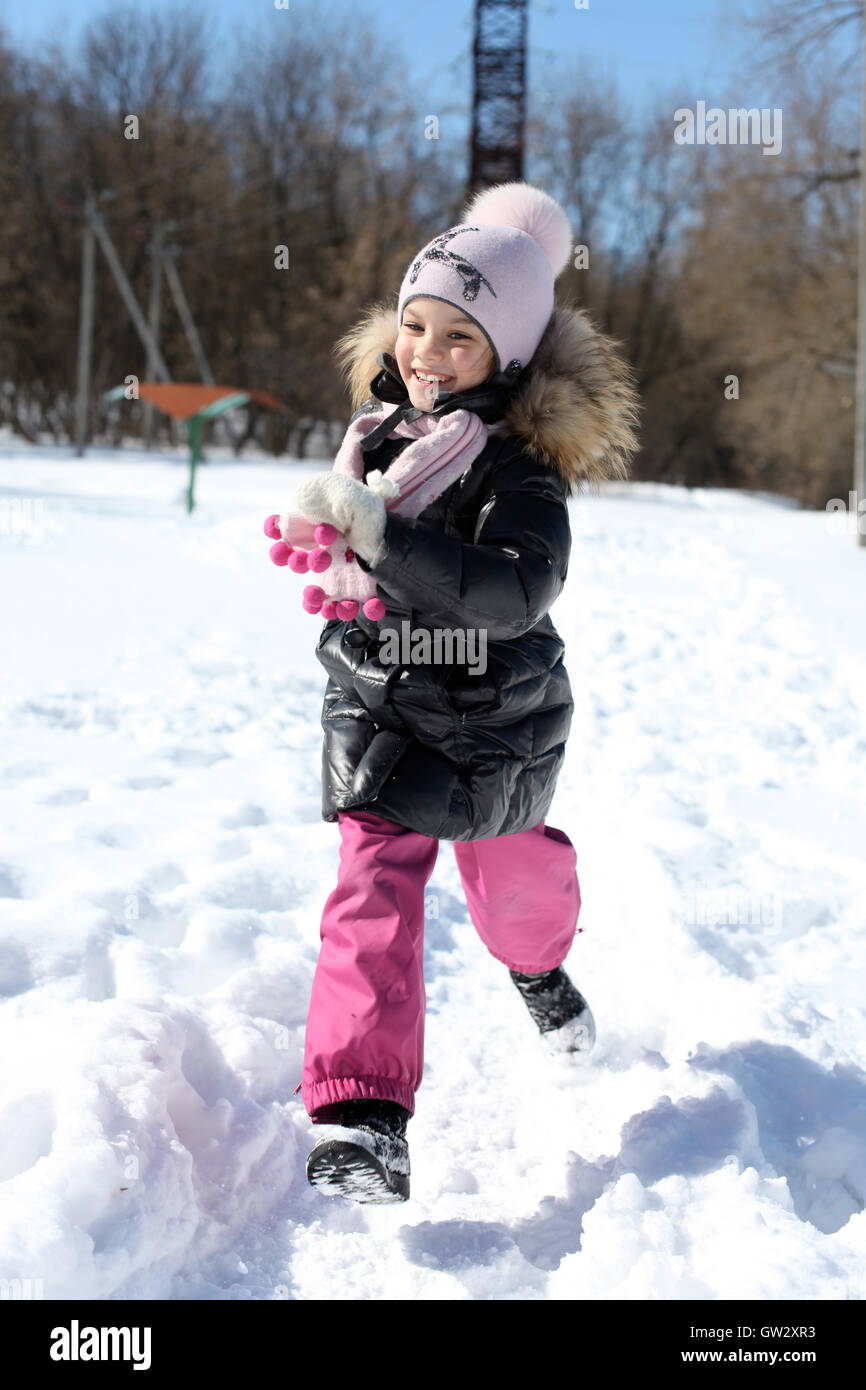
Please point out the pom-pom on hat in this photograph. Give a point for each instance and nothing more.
(497, 266)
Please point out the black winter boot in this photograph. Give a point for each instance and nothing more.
(559, 1010)
(363, 1155)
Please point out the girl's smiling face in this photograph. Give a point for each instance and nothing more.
(436, 339)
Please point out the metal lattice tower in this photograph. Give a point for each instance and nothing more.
(498, 104)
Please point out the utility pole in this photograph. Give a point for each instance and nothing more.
(154, 308)
(85, 330)
(189, 328)
(186, 317)
(95, 231)
(147, 329)
(860, 412)
(128, 296)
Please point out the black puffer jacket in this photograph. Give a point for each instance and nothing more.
(434, 747)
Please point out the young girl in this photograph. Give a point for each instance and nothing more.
(448, 506)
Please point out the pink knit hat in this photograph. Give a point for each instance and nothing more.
(498, 267)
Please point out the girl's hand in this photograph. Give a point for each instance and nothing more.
(358, 511)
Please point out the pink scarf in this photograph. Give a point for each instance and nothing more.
(445, 446)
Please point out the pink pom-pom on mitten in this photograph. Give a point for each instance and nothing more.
(374, 608)
(329, 609)
(319, 559)
(325, 533)
(280, 553)
(347, 608)
(272, 527)
(314, 597)
(299, 562)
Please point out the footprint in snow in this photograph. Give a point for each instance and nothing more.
(247, 814)
(66, 796)
(192, 757)
(16, 974)
(9, 883)
(21, 770)
(163, 878)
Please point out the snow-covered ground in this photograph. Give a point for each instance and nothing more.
(164, 864)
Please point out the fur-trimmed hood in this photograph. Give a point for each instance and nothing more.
(576, 410)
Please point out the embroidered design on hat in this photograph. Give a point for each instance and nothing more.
(471, 275)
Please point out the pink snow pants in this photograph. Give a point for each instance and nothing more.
(365, 1027)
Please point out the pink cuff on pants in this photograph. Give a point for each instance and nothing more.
(336, 1088)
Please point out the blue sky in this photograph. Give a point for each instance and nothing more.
(695, 49)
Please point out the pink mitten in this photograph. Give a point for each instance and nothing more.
(305, 547)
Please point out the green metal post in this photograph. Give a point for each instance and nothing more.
(193, 426)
